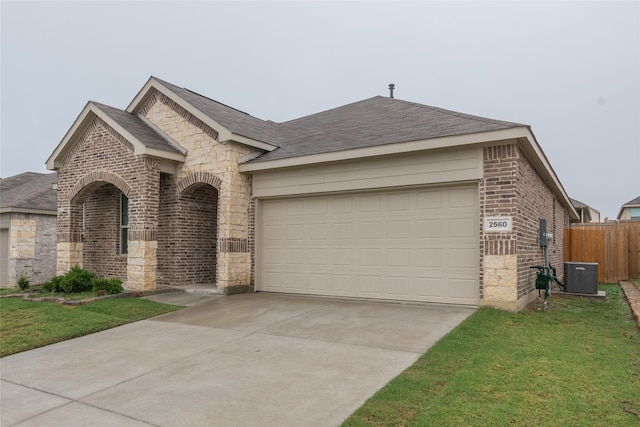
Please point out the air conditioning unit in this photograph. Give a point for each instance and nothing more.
(581, 277)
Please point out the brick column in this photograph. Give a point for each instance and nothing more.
(142, 261)
(69, 230)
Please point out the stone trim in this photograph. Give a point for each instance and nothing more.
(189, 117)
(233, 244)
(99, 176)
(198, 178)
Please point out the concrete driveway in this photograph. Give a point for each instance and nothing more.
(244, 360)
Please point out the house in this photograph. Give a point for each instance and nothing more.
(585, 212)
(630, 210)
(27, 228)
(381, 198)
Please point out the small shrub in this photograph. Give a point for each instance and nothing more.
(102, 286)
(23, 282)
(53, 285)
(77, 280)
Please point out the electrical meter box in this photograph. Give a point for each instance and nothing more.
(581, 277)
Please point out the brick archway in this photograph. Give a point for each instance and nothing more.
(187, 183)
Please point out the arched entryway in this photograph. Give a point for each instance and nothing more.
(97, 219)
(188, 230)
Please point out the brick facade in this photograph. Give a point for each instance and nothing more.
(512, 187)
(187, 234)
(99, 157)
(190, 227)
(192, 215)
(101, 233)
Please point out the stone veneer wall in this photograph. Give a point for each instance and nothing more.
(207, 158)
(32, 248)
(512, 187)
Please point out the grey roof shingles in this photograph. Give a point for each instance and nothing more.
(29, 190)
(371, 122)
(138, 128)
(235, 120)
(634, 202)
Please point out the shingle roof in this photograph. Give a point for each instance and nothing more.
(138, 128)
(235, 120)
(634, 202)
(373, 122)
(29, 190)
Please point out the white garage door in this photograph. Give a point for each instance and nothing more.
(413, 245)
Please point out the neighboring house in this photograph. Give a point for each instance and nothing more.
(630, 210)
(27, 228)
(585, 212)
(382, 198)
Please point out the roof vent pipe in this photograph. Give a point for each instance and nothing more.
(391, 88)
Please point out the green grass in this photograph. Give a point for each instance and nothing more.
(26, 325)
(576, 364)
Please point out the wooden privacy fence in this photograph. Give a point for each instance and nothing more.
(615, 246)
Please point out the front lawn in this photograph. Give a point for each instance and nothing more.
(578, 363)
(26, 325)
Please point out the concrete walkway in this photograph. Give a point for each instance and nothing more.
(244, 360)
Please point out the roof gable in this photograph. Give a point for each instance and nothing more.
(144, 139)
(230, 123)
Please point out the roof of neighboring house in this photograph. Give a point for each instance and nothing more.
(586, 209)
(29, 192)
(633, 203)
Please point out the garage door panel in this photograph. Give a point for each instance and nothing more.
(462, 198)
(319, 283)
(294, 281)
(462, 258)
(462, 289)
(398, 229)
(371, 230)
(398, 257)
(370, 257)
(342, 284)
(407, 245)
(463, 227)
(372, 286)
(342, 230)
(430, 257)
(318, 231)
(430, 228)
(431, 287)
(318, 256)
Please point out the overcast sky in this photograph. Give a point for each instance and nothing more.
(570, 70)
